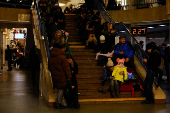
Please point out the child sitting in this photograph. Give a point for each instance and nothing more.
(118, 78)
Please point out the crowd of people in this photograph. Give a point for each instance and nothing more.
(117, 59)
(14, 55)
(62, 66)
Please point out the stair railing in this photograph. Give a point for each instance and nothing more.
(46, 86)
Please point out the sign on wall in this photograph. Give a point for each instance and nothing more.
(138, 31)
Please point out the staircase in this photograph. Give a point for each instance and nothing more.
(90, 75)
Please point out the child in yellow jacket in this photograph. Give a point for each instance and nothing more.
(118, 77)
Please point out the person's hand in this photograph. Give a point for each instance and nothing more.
(112, 77)
(145, 60)
(72, 87)
(121, 52)
(111, 68)
(121, 73)
(88, 22)
(72, 71)
(127, 60)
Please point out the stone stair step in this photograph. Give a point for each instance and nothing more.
(83, 50)
(76, 57)
(90, 71)
(90, 81)
(88, 76)
(112, 100)
(84, 53)
(74, 37)
(77, 47)
(87, 62)
(71, 24)
(75, 40)
(70, 27)
(76, 43)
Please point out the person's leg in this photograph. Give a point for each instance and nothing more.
(150, 86)
(60, 95)
(9, 65)
(130, 63)
(144, 85)
(117, 84)
(112, 88)
(95, 41)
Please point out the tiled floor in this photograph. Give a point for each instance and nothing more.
(18, 96)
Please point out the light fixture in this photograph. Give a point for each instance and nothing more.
(62, 4)
(150, 27)
(150, 38)
(162, 25)
(122, 31)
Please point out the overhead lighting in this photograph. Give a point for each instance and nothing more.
(162, 25)
(62, 4)
(150, 27)
(150, 38)
(122, 31)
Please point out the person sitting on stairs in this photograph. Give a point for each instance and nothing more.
(117, 78)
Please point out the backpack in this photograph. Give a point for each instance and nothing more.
(161, 65)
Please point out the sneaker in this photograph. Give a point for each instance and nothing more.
(59, 106)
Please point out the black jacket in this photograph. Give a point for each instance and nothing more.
(154, 60)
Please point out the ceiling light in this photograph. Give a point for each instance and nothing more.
(122, 31)
(62, 4)
(150, 27)
(162, 25)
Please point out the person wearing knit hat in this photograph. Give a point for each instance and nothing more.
(102, 39)
(110, 63)
(58, 38)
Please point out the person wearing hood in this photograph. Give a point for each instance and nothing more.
(60, 72)
(118, 77)
(153, 63)
(124, 50)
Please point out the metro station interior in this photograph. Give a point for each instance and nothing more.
(27, 30)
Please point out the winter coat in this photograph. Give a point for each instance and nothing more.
(154, 60)
(127, 52)
(116, 74)
(59, 68)
(106, 75)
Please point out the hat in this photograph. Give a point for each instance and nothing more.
(58, 32)
(109, 63)
(149, 46)
(122, 37)
(102, 38)
(164, 44)
(120, 60)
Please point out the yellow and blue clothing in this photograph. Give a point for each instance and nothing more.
(116, 74)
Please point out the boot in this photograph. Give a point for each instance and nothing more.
(118, 94)
(113, 94)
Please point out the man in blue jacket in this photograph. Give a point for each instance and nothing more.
(124, 50)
